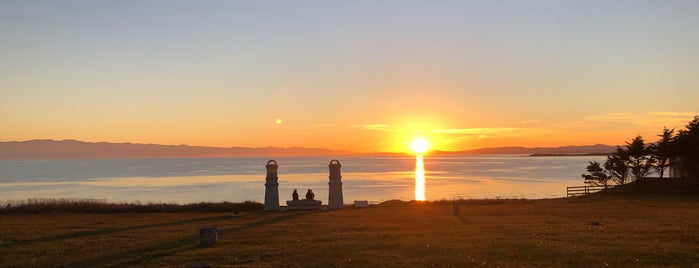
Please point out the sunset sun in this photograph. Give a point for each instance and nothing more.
(419, 145)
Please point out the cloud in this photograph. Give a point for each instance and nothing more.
(526, 122)
(645, 121)
(458, 133)
(666, 119)
(479, 132)
(576, 125)
(624, 116)
(321, 125)
(674, 114)
(379, 127)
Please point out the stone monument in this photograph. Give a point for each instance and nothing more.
(272, 187)
(335, 186)
(303, 204)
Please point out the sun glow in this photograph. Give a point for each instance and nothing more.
(419, 145)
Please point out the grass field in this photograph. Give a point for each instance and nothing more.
(618, 230)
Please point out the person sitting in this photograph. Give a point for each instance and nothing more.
(310, 195)
(295, 195)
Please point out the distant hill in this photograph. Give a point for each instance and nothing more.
(50, 149)
(597, 149)
(563, 150)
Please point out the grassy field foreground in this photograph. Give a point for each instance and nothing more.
(626, 230)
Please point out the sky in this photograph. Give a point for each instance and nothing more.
(365, 76)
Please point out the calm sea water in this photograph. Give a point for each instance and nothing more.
(185, 180)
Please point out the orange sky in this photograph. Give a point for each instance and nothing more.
(388, 135)
(363, 76)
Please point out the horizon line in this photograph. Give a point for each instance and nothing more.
(346, 151)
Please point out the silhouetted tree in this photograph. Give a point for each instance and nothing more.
(686, 147)
(639, 156)
(637, 160)
(596, 174)
(662, 151)
(617, 166)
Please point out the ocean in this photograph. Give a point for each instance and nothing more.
(237, 179)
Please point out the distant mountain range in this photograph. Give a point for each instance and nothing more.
(49, 149)
(52, 149)
(563, 150)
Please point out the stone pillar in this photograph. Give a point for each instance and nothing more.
(335, 192)
(272, 187)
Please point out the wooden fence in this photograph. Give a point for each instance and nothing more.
(582, 190)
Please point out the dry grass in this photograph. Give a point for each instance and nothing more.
(621, 230)
(53, 205)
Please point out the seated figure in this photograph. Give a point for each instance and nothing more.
(306, 204)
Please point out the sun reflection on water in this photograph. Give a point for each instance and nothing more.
(419, 179)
